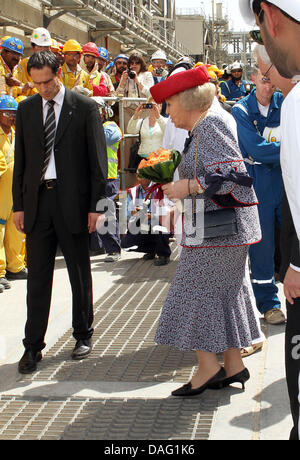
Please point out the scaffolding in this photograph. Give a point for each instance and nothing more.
(144, 25)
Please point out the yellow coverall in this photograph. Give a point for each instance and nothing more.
(81, 78)
(12, 247)
(13, 91)
(24, 76)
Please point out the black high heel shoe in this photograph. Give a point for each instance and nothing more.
(187, 390)
(240, 377)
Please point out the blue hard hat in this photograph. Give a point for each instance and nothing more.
(121, 56)
(13, 44)
(8, 103)
(109, 66)
(169, 62)
(103, 53)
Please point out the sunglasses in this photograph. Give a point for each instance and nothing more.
(256, 36)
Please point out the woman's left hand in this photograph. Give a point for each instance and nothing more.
(176, 190)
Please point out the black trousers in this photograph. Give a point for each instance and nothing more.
(292, 363)
(150, 244)
(49, 231)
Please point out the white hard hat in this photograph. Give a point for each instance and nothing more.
(291, 7)
(159, 54)
(236, 65)
(41, 37)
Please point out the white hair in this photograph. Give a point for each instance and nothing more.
(198, 98)
(260, 52)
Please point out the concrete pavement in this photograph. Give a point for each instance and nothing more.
(122, 391)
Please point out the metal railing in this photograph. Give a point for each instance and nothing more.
(120, 100)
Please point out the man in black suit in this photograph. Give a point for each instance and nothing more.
(59, 177)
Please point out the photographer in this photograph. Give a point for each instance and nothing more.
(148, 121)
(135, 82)
(143, 218)
(159, 61)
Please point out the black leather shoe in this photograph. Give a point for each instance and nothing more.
(161, 260)
(21, 275)
(240, 377)
(82, 349)
(28, 362)
(187, 390)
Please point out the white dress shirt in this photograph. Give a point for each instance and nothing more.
(58, 99)
(290, 153)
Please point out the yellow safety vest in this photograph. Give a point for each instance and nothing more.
(112, 155)
(70, 80)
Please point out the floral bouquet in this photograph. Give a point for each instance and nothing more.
(159, 168)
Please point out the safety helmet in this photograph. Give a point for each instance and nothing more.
(236, 65)
(4, 38)
(8, 103)
(72, 45)
(121, 56)
(90, 48)
(169, 62)
(104, 108)
(20, 99)
(103, 53)
(13, 44)
(198, 64)
(159, 54)
(55, 45)
(41, 37)
(215, 69)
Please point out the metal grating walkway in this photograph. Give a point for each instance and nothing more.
(124, 353)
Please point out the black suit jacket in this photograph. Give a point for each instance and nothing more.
(289, 243)
(80, 159)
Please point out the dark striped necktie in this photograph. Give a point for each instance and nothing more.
(49, 136)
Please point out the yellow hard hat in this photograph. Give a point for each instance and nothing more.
(20, 99)
(72, 45)
(198, 64)
(3, 39)
(216, 69)
(212, 74)
(55, 45)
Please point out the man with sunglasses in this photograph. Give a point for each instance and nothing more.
(11, 241)
(259, 110)
(279, 23)
(234, 89)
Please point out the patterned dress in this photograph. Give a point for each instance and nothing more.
(210, 305)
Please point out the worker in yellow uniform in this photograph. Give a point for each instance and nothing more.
(12, 264)
(11, 51)
(40, 41)
(73, 76)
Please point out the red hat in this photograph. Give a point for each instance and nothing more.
(90, 48)
(180, 82)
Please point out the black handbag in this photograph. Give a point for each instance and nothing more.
(216, 223)
(135, 158)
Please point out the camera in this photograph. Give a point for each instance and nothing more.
(159, 71)
(147, 106)
(131, 74)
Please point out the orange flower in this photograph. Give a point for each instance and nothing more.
(156, 157)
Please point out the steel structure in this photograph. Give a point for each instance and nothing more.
(145, 25)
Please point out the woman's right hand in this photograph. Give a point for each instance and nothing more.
(138, 112)
(124, 79)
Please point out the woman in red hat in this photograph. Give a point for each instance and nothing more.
(210, 306)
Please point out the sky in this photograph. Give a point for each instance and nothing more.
(230, 8)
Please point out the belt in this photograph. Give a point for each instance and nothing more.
(50, 184)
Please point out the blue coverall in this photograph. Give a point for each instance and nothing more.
(262, 159)
(231, 91)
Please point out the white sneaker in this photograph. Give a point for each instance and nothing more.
(112, 257)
